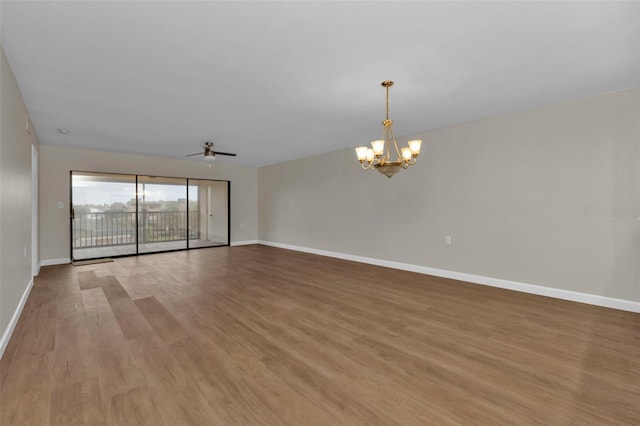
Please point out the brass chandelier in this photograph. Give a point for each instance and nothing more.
(378, 157)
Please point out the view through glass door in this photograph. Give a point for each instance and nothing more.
(118, 215)
(162, 214)
(103, 215)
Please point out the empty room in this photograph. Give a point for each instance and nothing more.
(319, 213)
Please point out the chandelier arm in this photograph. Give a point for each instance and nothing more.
(368, 166)
(395, 143)
(384, 156)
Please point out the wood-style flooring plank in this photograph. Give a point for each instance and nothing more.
(130, 319)
(160, 319)
(25, 395)
(78, 403)
(102, 325)
(87, 278)
(135, 407)
(69, 361)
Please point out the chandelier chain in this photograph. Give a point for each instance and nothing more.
(387, 102)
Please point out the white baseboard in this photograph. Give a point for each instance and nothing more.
(49, 262)
(6, 336)
(591, 299)
(244, 243)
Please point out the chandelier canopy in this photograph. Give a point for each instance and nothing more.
(378, 157)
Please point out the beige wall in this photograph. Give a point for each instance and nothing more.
(15, 195)
(56, 162)
(526, 197)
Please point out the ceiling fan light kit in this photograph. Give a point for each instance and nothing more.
(378, 157)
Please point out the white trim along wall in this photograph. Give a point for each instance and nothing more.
(49, 262)
(6, 336)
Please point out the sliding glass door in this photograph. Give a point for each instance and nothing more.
(103, 215)
(162, 214)
(117, 215)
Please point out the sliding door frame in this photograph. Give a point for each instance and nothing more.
(137, 253)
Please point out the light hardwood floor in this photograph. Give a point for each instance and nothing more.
(256, 335)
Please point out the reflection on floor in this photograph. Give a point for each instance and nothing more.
(126, 249)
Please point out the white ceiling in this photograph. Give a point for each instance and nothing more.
(274, 81)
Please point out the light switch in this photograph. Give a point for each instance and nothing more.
(60, 205)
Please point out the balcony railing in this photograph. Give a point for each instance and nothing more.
(119, 228)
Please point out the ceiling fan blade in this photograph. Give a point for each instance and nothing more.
(192, 155)
(224, 153)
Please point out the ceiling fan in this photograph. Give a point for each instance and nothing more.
(208, 153)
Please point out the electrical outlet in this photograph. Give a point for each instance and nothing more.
(447, 240)
(25, 252)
